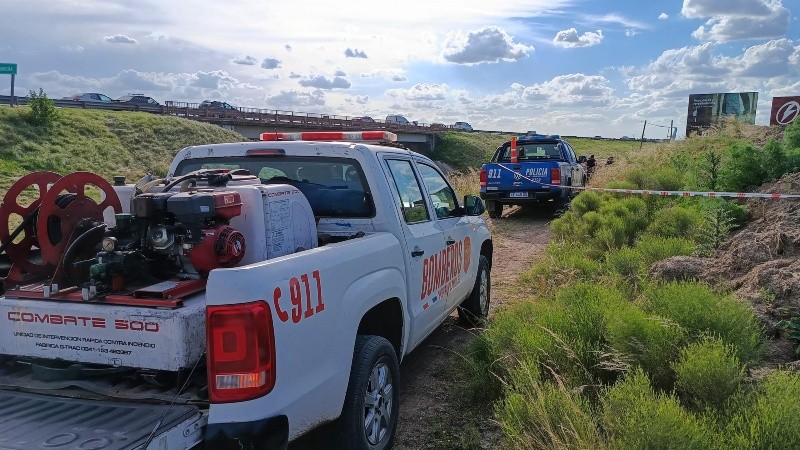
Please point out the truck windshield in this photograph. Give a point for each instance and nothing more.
(335, 187)
(527, 151)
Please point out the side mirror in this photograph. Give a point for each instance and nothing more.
(581, 159)
(473, 205)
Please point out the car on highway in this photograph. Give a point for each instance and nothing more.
(137, 99)
(90, 97)
(462, 126)
(398, 119)
(363, 120)
(214, 104)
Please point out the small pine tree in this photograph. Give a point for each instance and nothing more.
(43, 110)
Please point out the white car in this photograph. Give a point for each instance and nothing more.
(462, 126)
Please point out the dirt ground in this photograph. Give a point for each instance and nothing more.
(432, 414)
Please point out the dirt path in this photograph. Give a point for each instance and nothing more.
(432, 415)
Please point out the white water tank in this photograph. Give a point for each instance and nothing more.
(288, 219)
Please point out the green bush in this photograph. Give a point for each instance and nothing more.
(770, 421)
(649, 342)
(627, 262)
(43, 110)
(701, 311)
(707, 373)
(742, 168)
(538, 414)
(675, 222)
(667, 179)
(791, 136)
(775, 160)
(635, 417)
(654, 248)
(585, 202)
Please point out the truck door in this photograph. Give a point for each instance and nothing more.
(424, 241)
(457, 263)
(578, 172)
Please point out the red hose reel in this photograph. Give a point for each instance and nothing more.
(49, 220)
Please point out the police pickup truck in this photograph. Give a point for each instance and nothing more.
(258, 291)
(533, 168)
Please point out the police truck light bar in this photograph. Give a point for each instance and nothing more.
(347, 136)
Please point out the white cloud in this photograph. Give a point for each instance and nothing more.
(389, 74)
(322, 82)
(270, 63)
(487, 45)
(355, 53)
(340, 73)
(630, 32)
(663, 16)
(246, 60)
(573, 89)
(120, 39)
(776, 58)
(731, 20)
(291, 100)
(614, 19)
(421, 92)
(569, 38)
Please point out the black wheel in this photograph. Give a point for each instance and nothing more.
(495, 209)
(372, 403)
(474, 310)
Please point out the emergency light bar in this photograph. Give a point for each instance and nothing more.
(348, 136)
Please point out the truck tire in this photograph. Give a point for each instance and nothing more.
(474, 310)
(375, 374)
(495, 209)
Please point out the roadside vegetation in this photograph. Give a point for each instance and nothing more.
(106, 142)
(597, 353)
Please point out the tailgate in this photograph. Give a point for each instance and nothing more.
(33, 421)
(519, 176)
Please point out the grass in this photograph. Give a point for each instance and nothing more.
(105, 142)
(464, 151)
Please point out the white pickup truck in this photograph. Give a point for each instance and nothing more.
(259, 290)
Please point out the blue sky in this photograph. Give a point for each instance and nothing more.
(574, 67)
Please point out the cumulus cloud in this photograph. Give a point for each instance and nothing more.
(294, 99)
(489, 44)
(731, 20)
(288, 47)
(340, 73)
(270, 63)
(389, 74)
(663, 16)
(420, 92)
(572, 89)
(569, 38)
(322, 82)
(355, 53)
(776, 58)
(295, 75)
(120, 39)
(630, 32)
(246, 60)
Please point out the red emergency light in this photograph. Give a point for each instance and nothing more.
(347, 136)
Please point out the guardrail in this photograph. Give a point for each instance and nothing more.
(245, 116)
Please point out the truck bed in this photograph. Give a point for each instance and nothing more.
(33, 421)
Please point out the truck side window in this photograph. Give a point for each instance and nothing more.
(442, 195)
(409, 198)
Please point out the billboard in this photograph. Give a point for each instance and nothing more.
(707, 110)
(784, 110)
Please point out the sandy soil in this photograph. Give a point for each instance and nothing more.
(431, 412)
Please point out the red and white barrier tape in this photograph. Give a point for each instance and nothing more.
(661, 193)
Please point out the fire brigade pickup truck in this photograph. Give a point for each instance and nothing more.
(257, 291)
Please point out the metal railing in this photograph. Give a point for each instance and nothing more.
(245, 116)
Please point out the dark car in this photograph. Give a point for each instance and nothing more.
(214, 104)
(364, 120)
(137, 99)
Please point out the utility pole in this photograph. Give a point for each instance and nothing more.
(669, 138)
(643, 128)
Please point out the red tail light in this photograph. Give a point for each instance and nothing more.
(483, 177)
(555, 176)
(241, 351)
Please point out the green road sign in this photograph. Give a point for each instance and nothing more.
(8, 68)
